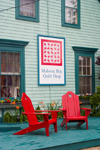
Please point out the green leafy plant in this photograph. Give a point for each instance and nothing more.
(7, 117)
(17, 100)
(53, 105)
(82, 112)
(12, 117)
(23, 118)
(60, 114)
(98, 90)
(95, 102)
(86, 96)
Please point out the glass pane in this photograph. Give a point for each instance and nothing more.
(88, 90)
(80, 81)
(71, 15)
(88, 71)
(80, 89)
(11, 91)
(3, 57)
(84, 70)
(10, 57)
(68, 15)
(74, 16)
(80, 58)
(85, 83)
(88, 80)
(83, 80)
(16, 69)
(84, 90)
(88, 61)
(16, 85)
(4, 92)
(10, 86)
(80, 62)
(71, 3)
(27, 8)
(10, 68)
(84, 61)
(16, 58)
(3, 80)
(9, 80)
(16, 81)
(3, 68)
(80, 71)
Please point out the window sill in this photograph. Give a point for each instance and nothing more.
(71, 25)
(26, 18)
(8, 105)
(85, 101)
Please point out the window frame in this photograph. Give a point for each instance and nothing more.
(63, 15)
(27, 18)
(17, 47)
(88, 52)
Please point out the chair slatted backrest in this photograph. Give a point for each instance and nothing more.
(28, 108)
(71, 103)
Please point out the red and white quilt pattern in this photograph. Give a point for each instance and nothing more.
(51, 52)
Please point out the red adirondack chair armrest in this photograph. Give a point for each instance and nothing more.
(47, 110)
(87, 111)
(63, 109)
(35, 113)
(53, 112)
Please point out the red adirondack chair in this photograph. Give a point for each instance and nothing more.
(71, 110)
(32, 118)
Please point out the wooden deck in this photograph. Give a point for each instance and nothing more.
(73, 139)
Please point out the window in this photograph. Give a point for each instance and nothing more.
(71, 13)
(12, 68)
(85, 75)
(28, 10)
(10, 74)
(84, 70)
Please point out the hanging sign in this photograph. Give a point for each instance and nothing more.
(51, 60)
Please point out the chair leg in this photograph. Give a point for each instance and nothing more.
(26, 130)
(47, 130)
(55, 127)
(80, 123)
(63, 123)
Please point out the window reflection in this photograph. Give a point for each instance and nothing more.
(85, 85)
(84, 65)
(10, 63)
(71, 11)
(10, 86)
(29, 9)
(10, 75)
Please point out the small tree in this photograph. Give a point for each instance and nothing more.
(98, 63)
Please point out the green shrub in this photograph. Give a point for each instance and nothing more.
(23, 118)
(98, 90)
(7, 117)
(85, 96)
(60, 114)
(95, 102)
